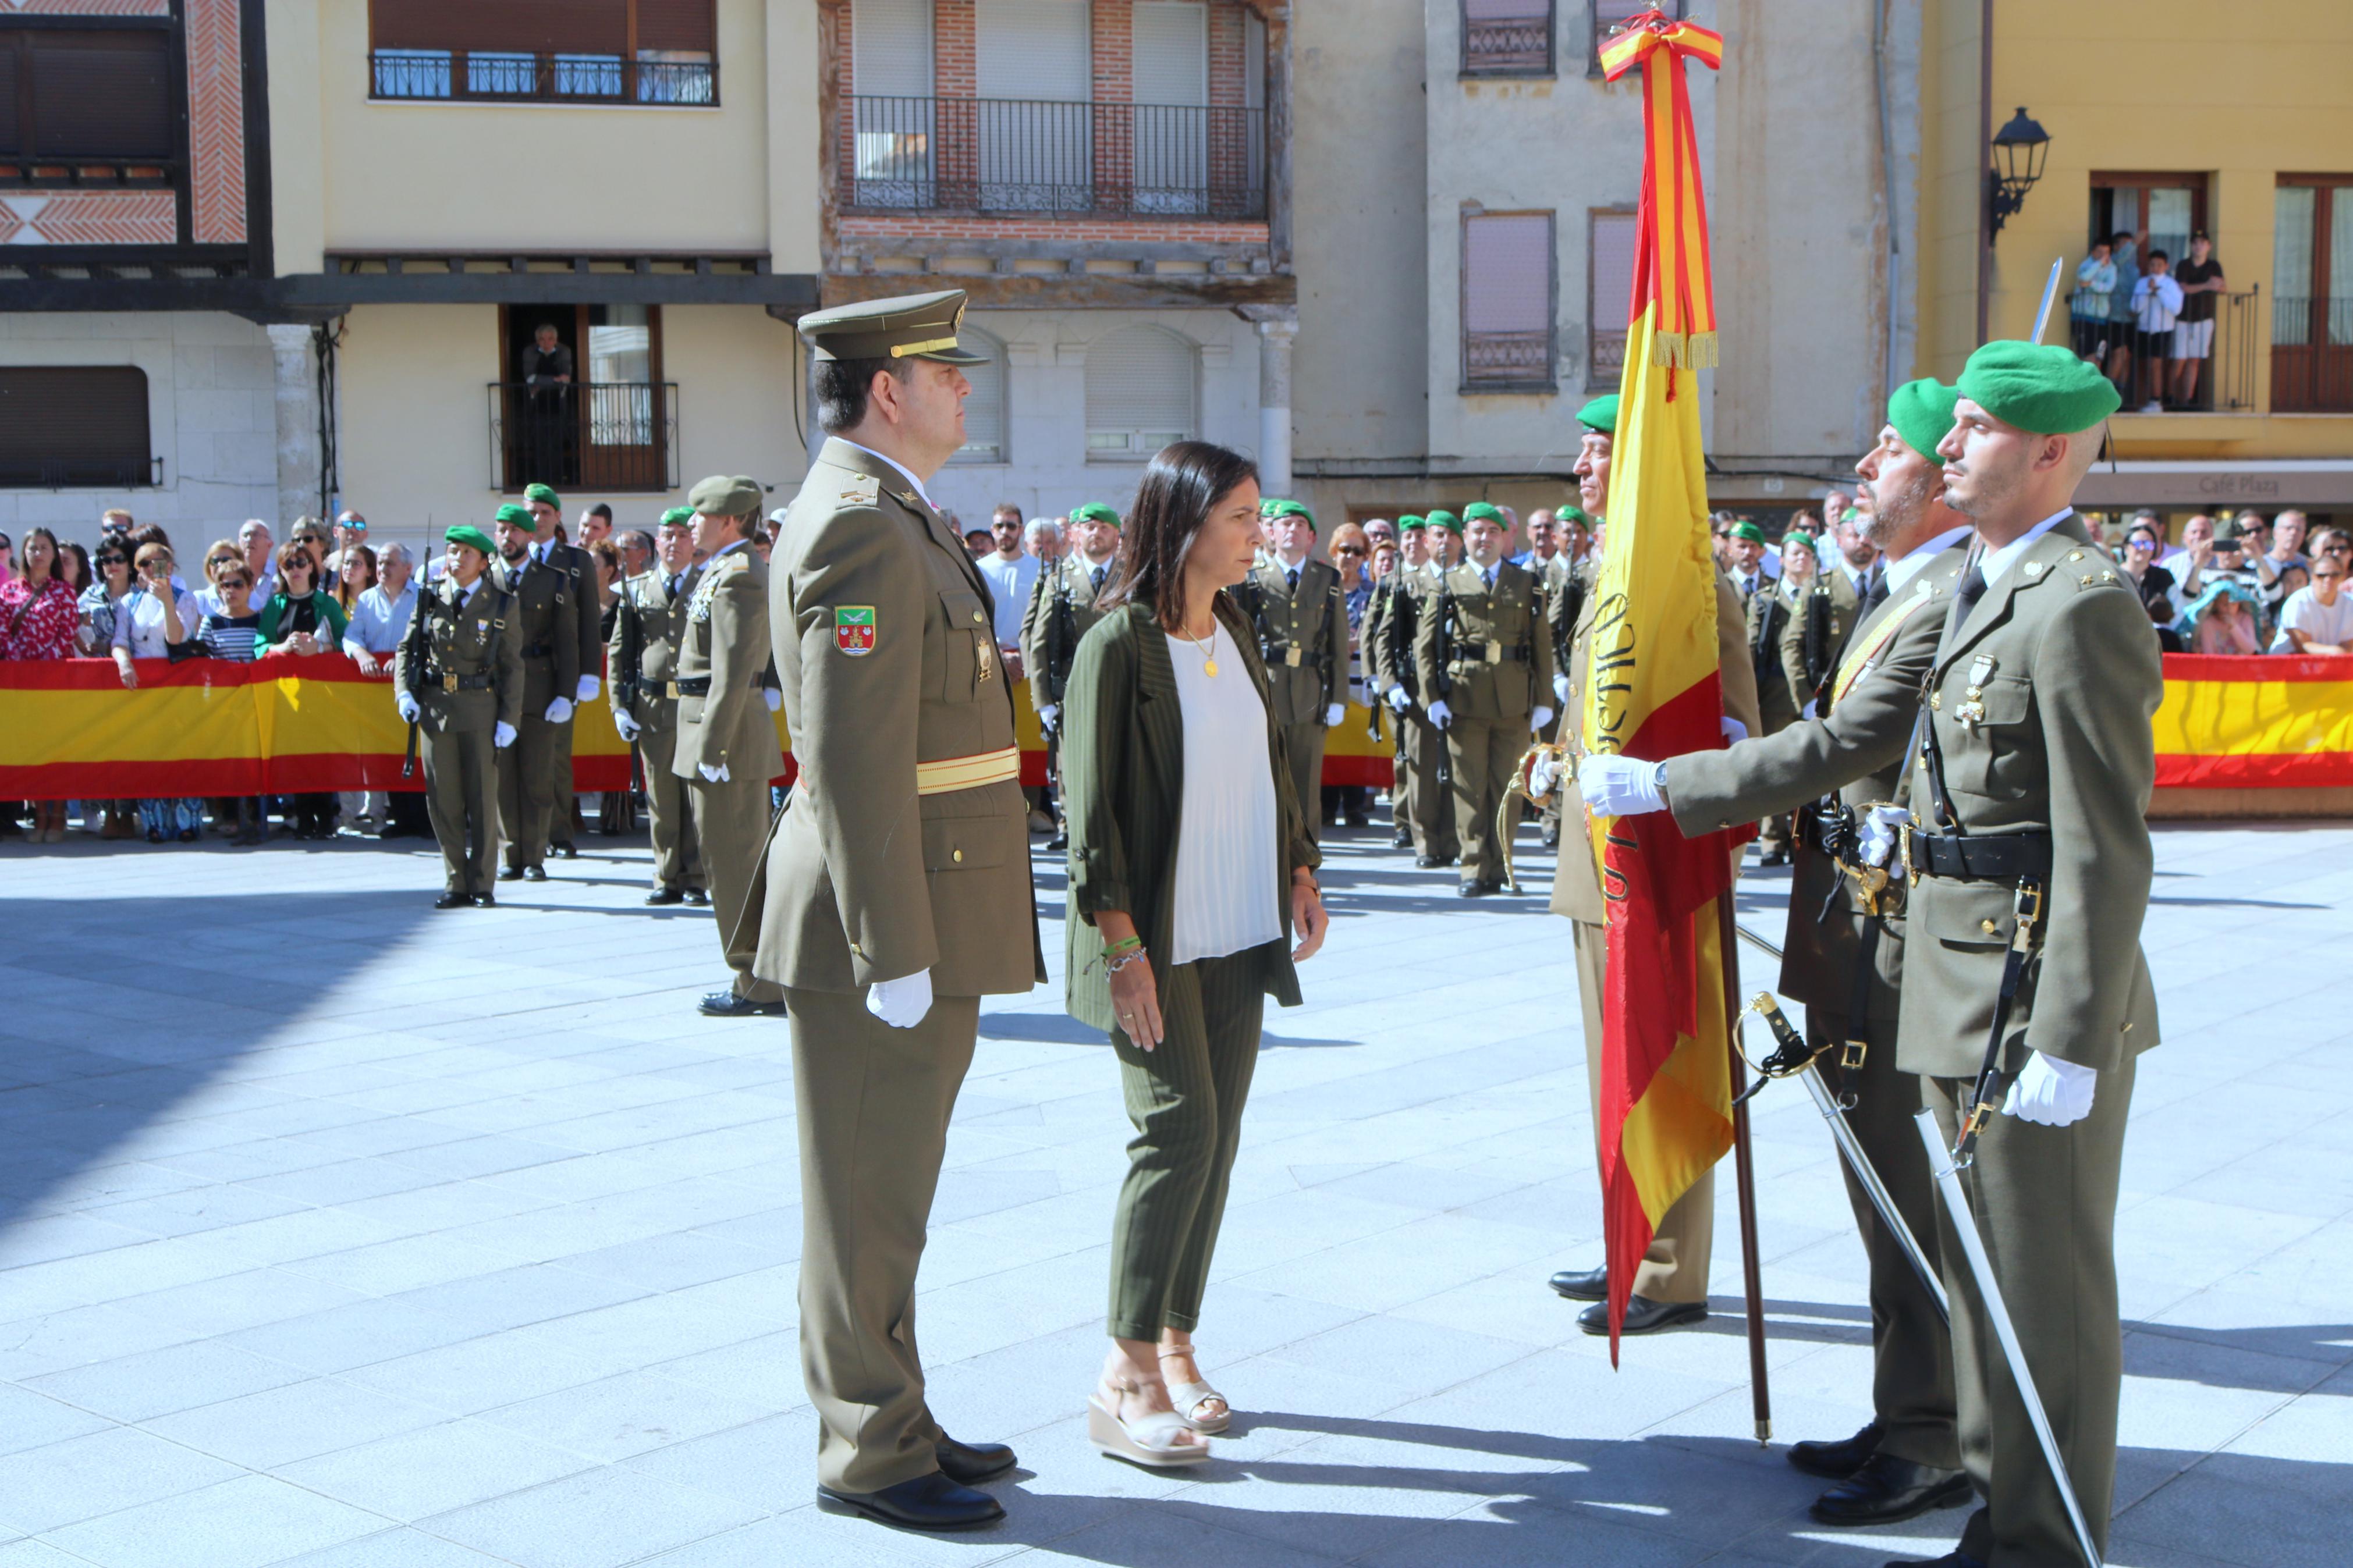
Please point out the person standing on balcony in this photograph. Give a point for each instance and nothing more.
(2157, 307)
(2202, 283)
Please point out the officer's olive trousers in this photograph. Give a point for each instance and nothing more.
(874, 1104)
(1675, 1266)
(461, 800)
(1911, 1349)
(732, 818)
(678, 847)
(1429, 807)
(1303, 744)
(1483, 753)
(559, 806)
(527, 785)
(1185, 1097)
(2045, 1201)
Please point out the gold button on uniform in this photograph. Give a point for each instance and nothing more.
(1988, 927)
(976, 615)
(958, 856)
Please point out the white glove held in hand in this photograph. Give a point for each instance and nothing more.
(407, 704)
(1734, 729)
(2052, 1092)
(1618, 787)
(1047, 714)
(501, 735)
(627, 726)
(1879, 833)
(1560, 688)
(1399, 701)
(1542, 774)
(559, 710)
(900, 1004)
(1441, 714)
(586, 692)
(1538, 718)
(1334, 713)
(716, 775)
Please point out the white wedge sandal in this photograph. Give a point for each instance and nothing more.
(1159, 1439)
(1188, 1398)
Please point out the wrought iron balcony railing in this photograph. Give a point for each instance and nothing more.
(510, 77)
(616, 436)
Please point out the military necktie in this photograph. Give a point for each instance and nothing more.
(1874, 591)
(1965, 599)
(1293, 575)
(1098, 576)
(677, 579)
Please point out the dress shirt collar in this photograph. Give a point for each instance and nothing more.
(1854, 574)
(1997, 561)
(898, 464)
(1902, 570)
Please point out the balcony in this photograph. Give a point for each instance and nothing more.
(991, 155)
(603, 436)
(655, 77)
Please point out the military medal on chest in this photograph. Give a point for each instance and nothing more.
(1971, 712)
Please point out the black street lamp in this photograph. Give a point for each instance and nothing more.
(2017, 151)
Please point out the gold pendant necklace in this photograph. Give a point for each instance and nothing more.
(1208, 654)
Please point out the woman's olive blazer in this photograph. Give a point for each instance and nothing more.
(1122, 786)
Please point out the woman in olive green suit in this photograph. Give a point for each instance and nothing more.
(1190, 867)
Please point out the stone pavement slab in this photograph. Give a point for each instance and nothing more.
(340, 1232)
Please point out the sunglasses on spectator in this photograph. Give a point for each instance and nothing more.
(237, 582)
(113, 561)
(1347, 550)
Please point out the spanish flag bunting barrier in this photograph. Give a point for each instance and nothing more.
(2264, 721)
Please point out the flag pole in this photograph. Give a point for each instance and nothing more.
(1744, 1167)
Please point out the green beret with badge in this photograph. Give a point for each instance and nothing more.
(1410, 521)
(544, 496)
(1483, 512)
(678, 514)
(905, 326)
(1274, 507)
(519, 516)
(1094, 512)
(472, 538)
(1922, 413)
(724, 495)
(1573, 514)
(1748, 530)
(1447, 521)
(1600, 415)
(2042, 388)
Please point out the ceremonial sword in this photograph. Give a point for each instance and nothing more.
(2050, 298)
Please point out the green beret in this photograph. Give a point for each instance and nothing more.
(1094, 512)
(1748, 530)
(543, 495)
(1445, 520)
(466, 533)
(1409, 522)
(1600, 415)
(519, 516)
(1851, 515)
(1922, 413)
(1279, 507)
(724, 495)
(2042, 388)
(678, 514)
(1574, 514)
(1479, 510)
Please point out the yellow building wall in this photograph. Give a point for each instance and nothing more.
(2242, 93)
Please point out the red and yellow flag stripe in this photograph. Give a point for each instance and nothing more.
(2267, 722)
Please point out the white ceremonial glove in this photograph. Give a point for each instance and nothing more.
(1734, 729)
(501, 735)
(1047, 714)
(1333, 714)
(407, 704)
(1560, 689)
(2051, 1093)
(1543, 775)
(773, 697)
(588, 691)
(1879, 833)
(1399, 701)
(900, 1004)
(627, 726)
(558, 710)
(1538, 718)
(1441, 714)
(1812, 709)
(716, 775)
(1618, 787)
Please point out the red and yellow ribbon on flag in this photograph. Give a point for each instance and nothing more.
(1656, 693)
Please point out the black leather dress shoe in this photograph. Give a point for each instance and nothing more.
(1836, 1461)
(727, 1004)
(535, 873)
(1582, 1284)
(452, 902)
(1471, 890)
(1551, 835)
(486, 900)
(697, 896)
(1059, 842)
(1888, 1490)
(1401, 839)
(666, 896)
(1955, 1559)
(510, 873)
(927, 1502)
(1643, 1316)
(1774, 858)
(969, 1464)
(570, 852)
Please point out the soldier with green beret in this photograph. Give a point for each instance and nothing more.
(457, 676)
(550, 553)
(1418, 801)
(1062, 610)
(1766, 615)
(678, 514)
(898, 885)
(1301, 617)
(544, 622)
(649, 633)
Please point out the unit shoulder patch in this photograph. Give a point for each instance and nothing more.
(854, 629)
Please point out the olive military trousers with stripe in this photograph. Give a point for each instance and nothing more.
(1186, 1099)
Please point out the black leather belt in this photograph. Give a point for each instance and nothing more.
(693, 686)
(1469, 652)
(1979, 858)
(456, 683)
(540, 650)
(662, 689)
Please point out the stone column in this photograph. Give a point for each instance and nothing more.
(1275, 336)
(298, 422)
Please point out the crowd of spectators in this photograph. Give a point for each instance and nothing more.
(2146, 318)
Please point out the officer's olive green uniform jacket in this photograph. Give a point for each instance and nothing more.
(1397, 597)
(1857, 749)
(1306, 648)
(1829, 602)
(543, 624)
(866, 879)
(1767, 613)
(1511, 618)
(1072, 577)
(725, 641)
(460, 642)
(661, 623)
(588, 614)
(2068, 679)
(1565, 584)
(1124, 786)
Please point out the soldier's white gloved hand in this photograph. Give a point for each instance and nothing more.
(1333, 714)
(407, 704)
(626, 725)
(501, 735)
(1047, 714)
(1397, 699)
(1813, 709)
(1618, 787)
(1538, 718)
(716, 775)
(773, 698)
(2052, 1092)
(588, 691)
(1441, 714)
(1542, 774)
(900, 1004)
(1560, 689)
(1879, 833)
(559, 710)
(1734, 729)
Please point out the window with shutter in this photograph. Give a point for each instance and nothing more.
(616, 51)
(1507, 302)
(1608, 288)
(73, 426)
(1141, 385)
(1172, 98)
(71, 95)
(1507, 37)
(1033, 65)
(985, 408)
(895, 120)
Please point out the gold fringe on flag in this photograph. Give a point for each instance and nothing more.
(1685, 350)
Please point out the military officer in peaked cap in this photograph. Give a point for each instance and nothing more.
(642, 660)
(898, 890)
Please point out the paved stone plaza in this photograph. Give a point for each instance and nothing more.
(340, 1232)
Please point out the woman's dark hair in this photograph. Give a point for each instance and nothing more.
(843, 386)
(147, 533)
(1181, 486)
(22, 551)
(80, 577)
(290, 553)
(348, 588)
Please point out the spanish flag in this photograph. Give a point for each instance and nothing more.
(1656, 693)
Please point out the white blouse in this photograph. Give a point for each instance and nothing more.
(1226, 893)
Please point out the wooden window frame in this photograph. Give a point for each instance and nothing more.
(1550, 384)
(1469, 70)
(666, 456)
(1594, 379)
